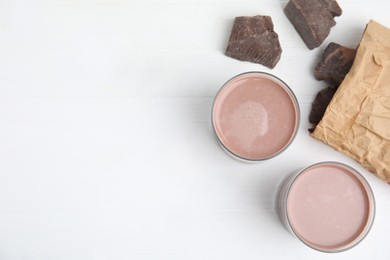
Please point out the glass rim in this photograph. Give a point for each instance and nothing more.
(294, 100)
(371, 203)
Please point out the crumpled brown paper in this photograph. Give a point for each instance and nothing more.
(357, 120)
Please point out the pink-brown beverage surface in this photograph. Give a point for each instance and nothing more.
(255, 116)
(328, 207)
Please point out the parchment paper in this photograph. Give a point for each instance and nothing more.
(357, 120)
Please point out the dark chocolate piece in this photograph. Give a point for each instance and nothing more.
(312, 19)
(320, 104)
(335, 63)
(253, 39)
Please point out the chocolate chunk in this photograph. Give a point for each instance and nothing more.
(333, 7)
(312, 19)
(320, 104)
(253, 39)
(335, 63)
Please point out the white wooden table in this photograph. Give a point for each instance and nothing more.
(106, 149)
